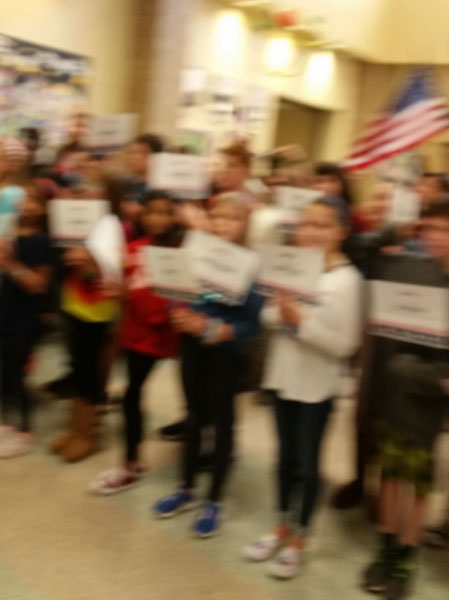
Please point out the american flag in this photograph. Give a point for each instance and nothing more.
(416, 116)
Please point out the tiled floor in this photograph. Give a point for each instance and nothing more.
(59, 543)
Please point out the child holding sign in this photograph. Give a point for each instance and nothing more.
(414, 383)
(307, 350)
(214, 337)
(145, 335)
(25, 265)
(90, 294)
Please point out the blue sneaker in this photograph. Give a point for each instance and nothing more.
(208, 521)
(178, 502)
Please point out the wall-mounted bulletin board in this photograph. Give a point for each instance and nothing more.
(40, 87)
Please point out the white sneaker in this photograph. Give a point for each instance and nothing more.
(262, 549)
(16, 445)
(116, 480)
(286, 564)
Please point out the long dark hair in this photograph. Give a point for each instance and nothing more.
(334, 170)
(41, 224)
(114, 191)
(174, 236)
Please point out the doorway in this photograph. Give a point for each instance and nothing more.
(300, 124)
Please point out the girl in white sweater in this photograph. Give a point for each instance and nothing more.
(308, 348)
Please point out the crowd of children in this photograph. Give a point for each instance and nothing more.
(404, 386)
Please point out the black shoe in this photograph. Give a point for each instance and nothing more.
(402, 577)
(399, 588)
(377, 577)
(175, 432)
(348, 496)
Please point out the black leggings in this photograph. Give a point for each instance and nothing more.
(210, 376)
(87, 341)
(139, 367)
(300, 431)
(15, 352)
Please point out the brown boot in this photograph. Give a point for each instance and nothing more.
(83, 442)
(58, 443)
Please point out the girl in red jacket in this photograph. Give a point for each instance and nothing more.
(146, 336)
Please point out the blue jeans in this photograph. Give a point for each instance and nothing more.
(300, 427)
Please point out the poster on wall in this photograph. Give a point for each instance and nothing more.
(253, 110)
(194, 141)
(224, 92)
(193, 86)
(40, 87)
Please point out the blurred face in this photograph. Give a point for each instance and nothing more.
(232, 174)
(138, 159)
(78, 127)
(159, 217)
(228, 222)
(17, 164)
(10, 165)
(428, 188)
(320, 228)
(70, 162)
(90, 168)
(435, 234)
(328, 185)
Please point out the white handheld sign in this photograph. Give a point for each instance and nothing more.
(226, 270)
(171, 273)
(290, 269)
(405, 206)
(182, 174)
(410, 313)
(293, 198)
(111, 131)
(72, 221)
(293, 201)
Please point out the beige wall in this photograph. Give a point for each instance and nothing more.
(100, 29)
(329, 82)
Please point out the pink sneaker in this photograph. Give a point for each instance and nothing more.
(16, 444)
(116, 480)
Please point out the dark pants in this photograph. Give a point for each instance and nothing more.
(300, 430)
(210, 376)
(87, 341)
(15, 352)
(139, 367)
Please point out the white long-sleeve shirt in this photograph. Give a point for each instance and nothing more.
(306, 364)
